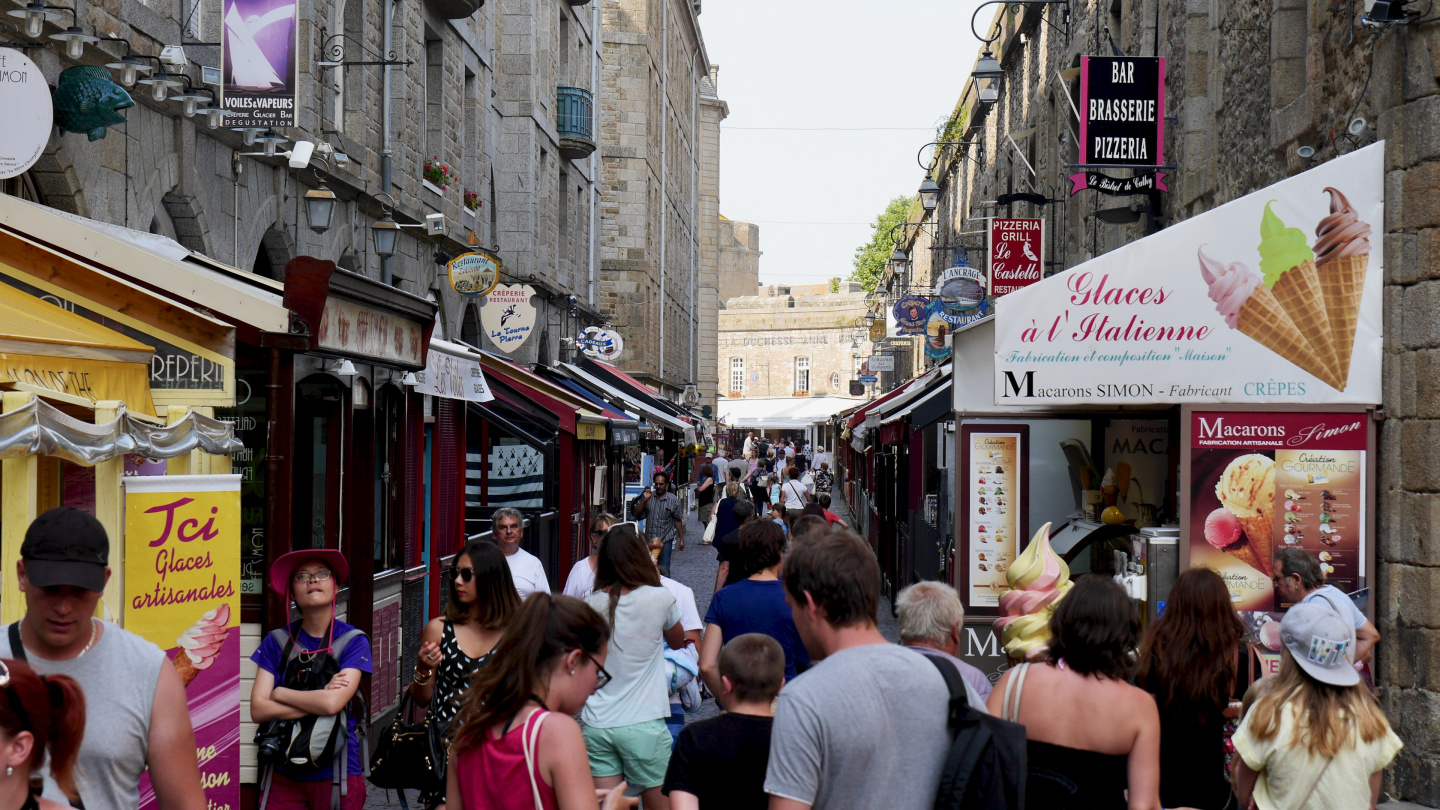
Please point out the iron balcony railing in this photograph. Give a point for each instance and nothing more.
(575, 121)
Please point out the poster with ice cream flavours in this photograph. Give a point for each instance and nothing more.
(994, 511)
(1260, 482)
(182, 591)
(1274, 297)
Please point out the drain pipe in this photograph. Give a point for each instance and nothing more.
(387, 168)
(664, 171)
(595, 108)
(694, 200)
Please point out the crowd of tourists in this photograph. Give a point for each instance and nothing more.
(580, 699)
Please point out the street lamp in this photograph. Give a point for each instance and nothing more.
(190, 99)
(929, 192)
(271, 141)
(384, 233)
(74, 38)
(36, 14)
(987, 75)
(160, 83)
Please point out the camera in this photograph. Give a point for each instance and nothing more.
(271, 739)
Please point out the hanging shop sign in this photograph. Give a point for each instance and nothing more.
(474, 273)
(881, 362)
(857, 388)
(627, 436)
(941, 326)
(25, 97)
(182, 588)
(601, 344)
(1117, 186)
(88, 101)
(1122, 110)
(1239, 304)
(258, 52)
(507, 316)
(368, 333)
(590, 431)
(910, 314)
(453, 375)
(877, 331)
(1017, 254)
(869, 379)
(1263, 481)
(993, 515)
(960, 288)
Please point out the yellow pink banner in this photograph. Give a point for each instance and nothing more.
(182, 591)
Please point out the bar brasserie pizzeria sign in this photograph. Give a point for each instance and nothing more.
(1122, 121)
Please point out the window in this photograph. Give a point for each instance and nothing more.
(737, 374)
(802, 375)
(835, 380)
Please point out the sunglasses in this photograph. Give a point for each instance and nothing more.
(601, 676)
(461, 574)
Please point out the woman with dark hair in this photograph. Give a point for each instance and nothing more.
(582, 574)
(40, 716)
(1091, 736)
(516, 745)
(1194, 662)
(755, 604)
(455, 646)
(625, 731)
(725, 521)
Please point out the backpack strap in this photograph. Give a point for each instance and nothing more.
(965, 750)
(959, 701)
(17, 647)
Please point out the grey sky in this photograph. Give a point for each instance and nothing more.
(843, 63)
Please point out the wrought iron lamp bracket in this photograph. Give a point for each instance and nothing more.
(332, 52)
(1016, 4)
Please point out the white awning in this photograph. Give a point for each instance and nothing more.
(453, 371)
(781, 413)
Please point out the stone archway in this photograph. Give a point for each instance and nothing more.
(188, 220)
(58, 184)
(275, 251)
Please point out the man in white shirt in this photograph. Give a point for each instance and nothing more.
(749, 444)
(1298, 578)
(525, 568)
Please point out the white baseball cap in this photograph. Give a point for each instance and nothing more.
(1318, 638)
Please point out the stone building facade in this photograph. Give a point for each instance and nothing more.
(660, 187)
(793, 341)
(480, 95)
(1248, 85)
(739, 259)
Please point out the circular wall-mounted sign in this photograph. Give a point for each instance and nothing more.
(29, 113)
(474, 273)
(601, 344)
(961, 288)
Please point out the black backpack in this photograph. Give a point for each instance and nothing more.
(311, 742)
(985, 767)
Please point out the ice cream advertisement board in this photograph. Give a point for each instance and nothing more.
(182, 591)
(1271, 298)
(1260, 482)
(994, 508)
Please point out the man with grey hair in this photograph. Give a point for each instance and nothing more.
(931, 620)
(1299, 578)
(508, 526)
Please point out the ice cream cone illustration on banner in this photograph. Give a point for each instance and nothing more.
(1287, 267)
(201, 643)
(1038, 578)
(1247, 492)
(1342, 255)
(1248, 305)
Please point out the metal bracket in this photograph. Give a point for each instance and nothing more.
(333, 47)
(1018, 3)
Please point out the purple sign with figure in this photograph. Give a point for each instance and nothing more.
(259, 54)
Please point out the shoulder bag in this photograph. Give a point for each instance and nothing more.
(408, 754)
(709, 536)
(531, 744)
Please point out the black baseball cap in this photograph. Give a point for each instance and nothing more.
(66, 546)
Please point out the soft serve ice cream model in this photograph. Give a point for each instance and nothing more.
(1038, 578)
(1304, 304)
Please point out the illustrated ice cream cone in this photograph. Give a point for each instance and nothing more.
(200, 644)
(1038, 578)
(1247, 490)
(1287, 267)
(1249, 306)
(1342, 256)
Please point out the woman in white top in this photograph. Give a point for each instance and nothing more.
(794, 494)
(625, 732)
(582, 574)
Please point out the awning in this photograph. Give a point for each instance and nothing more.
(612, 415)
(44, 348)
(565, 404)
(624, 382)
(929, 407)
(783, 413)
(36, 428)
(650, 412)
(921, 387)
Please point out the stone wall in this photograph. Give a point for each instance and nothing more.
(739, 259)
(480, 97)
(766, 336)
(1248, 83)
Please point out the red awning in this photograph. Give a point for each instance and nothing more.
(859, 416)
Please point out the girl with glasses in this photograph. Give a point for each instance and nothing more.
(625, 732)
(482, 602)
(39, 714)
(582, 574)
(516, 745)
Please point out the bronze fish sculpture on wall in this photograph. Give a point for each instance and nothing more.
(87, 100)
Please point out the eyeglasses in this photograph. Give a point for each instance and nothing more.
(597, 532)
(461, 574)
(307, 577)
(601, 676)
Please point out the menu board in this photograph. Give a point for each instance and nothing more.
(994, 504)
(1260, 482)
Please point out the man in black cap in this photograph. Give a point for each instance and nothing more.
(136, 715)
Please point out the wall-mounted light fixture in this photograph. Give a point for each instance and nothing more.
(929, 193)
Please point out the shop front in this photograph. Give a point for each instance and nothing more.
(1162, 412)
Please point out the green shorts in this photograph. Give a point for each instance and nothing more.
(640, 752)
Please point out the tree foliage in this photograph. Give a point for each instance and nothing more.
(834, 285)
(870, 258)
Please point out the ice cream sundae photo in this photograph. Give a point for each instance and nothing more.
(1243, 526)
(1291, 517)
(1325, 556)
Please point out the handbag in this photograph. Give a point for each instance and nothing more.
(410, 754)
(709, 536)
(530, 743)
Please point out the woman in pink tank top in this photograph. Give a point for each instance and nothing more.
(516, 744)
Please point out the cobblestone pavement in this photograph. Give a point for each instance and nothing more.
(695, 566)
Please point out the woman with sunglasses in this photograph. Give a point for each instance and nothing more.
(455, 646)
(625, 731)
(516, 745)
(39, 714)
(582, 574)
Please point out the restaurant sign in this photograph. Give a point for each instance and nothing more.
(1271, 298)
(25, 97)
(474, 273)
(1122, 122)
(1017, 254)
(360, 331)
(507, 316)
(259, 52)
